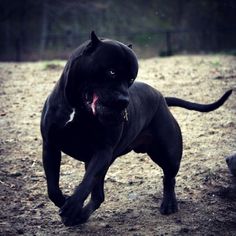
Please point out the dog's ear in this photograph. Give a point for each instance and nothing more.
(94, 38)
(130, 46)
(92, 45)
(70, 82)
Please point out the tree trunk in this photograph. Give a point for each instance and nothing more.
(44, 28)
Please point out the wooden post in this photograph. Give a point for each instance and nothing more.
(168, 43)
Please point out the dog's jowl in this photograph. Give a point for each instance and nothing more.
(95, 113)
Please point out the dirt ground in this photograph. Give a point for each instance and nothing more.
(205, 189)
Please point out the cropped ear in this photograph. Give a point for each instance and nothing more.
(130, 46)
(94, 38)
(92, 45)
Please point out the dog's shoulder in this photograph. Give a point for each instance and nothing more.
(55, 114)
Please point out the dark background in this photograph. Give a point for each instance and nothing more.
(51, 29)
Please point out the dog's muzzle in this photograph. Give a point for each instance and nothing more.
(115, 113)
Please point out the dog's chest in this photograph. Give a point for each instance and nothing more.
(79, 139)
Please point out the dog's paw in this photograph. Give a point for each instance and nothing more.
(57, 198)
(79, 219)
(83, 218)
(169, 207)
(70, 211)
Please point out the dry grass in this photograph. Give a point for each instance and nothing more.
(205, 189)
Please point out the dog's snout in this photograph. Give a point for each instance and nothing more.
(121, 102)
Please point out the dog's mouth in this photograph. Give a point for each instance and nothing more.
(92, 103)
(106, 114)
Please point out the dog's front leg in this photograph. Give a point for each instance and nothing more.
(51, 164)
(97, 198)
(72, 211)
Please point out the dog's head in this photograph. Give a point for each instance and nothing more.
(98, 77)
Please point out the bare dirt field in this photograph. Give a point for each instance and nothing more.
(205, 189)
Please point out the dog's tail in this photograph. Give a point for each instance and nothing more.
(177, 102)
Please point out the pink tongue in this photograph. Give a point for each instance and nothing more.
(93, 104)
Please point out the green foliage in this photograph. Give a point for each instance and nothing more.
(216, 63)
(53, 65)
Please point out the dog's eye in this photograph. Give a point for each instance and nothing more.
(112, 73)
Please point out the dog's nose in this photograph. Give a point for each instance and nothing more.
(121, 102)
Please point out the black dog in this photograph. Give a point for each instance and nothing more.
(96, 113)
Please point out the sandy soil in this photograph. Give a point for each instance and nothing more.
(205, 189)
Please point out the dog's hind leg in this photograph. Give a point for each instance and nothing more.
(169, 203)
(166, 151)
